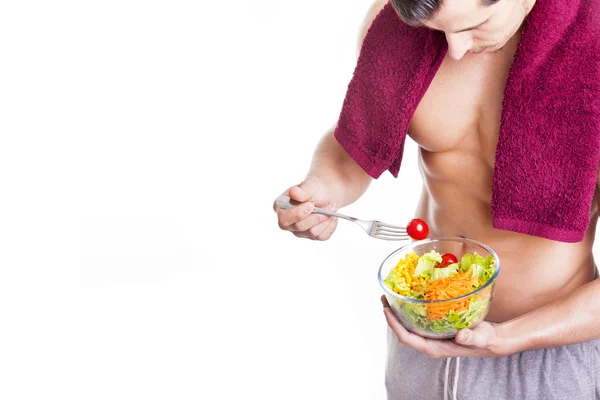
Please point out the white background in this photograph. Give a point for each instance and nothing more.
(142, 146)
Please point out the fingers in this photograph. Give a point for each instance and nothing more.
(329, 230)
(305, 191)
(465, 337)
(291, 216)
(315, 223)
(315, 226)
(321, 231)
(481, 337)
(299, 219)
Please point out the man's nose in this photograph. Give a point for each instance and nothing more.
(458, 44)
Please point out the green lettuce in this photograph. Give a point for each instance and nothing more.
(472, 314)
(444, 272)
(441, 326)
(393, 280)
(483, 268)
(427, 262)
(417, 313)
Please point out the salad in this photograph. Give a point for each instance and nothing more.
(435, 276)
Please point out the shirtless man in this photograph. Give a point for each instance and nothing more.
(543, 342)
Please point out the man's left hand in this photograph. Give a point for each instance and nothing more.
(483, 341)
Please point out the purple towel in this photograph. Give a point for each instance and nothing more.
(548, 150)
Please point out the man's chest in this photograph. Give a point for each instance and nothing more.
(463, 105)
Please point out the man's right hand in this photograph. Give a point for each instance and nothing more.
(299, 220)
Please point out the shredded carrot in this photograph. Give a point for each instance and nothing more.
(448, 288)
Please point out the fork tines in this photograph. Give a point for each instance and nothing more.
(386, 231)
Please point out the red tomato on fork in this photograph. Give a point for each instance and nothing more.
(417, 229)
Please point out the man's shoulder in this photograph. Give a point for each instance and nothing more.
(372, 13)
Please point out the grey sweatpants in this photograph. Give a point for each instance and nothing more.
(559, 373)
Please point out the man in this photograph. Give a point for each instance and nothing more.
(541, 340)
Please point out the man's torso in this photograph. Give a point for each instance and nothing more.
(456, 126)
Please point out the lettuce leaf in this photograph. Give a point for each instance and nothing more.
(444, 272)
(470, 315)
(427, 262)
(393, 281)
(441, 326)
(417, 313)
(483, 268)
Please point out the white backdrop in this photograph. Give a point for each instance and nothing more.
(143, 144)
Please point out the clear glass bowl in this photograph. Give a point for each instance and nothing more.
(414, 313)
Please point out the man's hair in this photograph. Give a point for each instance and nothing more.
(414, 12)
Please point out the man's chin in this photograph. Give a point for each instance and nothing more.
(489, 49)
(498, 49)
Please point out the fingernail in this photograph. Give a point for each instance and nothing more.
(308, 207)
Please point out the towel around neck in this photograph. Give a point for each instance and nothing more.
(548, 149)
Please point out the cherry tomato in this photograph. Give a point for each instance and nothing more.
(447, 259)
(417, 229)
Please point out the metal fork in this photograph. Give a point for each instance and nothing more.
(375, 229)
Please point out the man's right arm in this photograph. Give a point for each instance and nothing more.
(331, 163)
(334, 179)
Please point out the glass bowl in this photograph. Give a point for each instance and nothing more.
(470, 309)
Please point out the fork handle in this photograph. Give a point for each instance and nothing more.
(284, 202)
